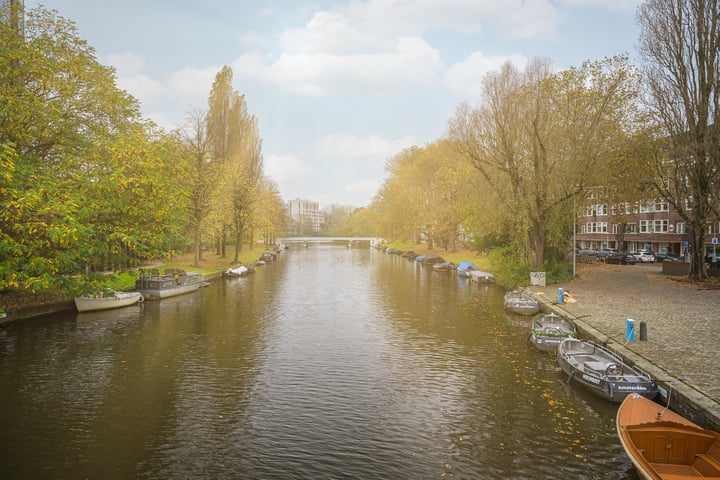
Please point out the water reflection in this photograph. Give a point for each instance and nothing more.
(330, 363)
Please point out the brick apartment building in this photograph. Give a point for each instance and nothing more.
(652, 225)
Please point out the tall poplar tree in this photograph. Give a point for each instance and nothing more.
(236, 147)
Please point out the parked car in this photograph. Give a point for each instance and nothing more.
(660, 257)
(605, 252)
(644, 256)
(621, 258)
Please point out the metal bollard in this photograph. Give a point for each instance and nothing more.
(643, 331)
(561, 296)
(630, 330)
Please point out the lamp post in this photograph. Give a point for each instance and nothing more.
(574, 246)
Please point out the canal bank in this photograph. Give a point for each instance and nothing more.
(46, 307)
(682, 346)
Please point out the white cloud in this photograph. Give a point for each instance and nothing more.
(466, 77)
(285, 168)
(373, 147)
(410, 64)
(333, 33)
(611, 5)
(363, 187)
(509, 18)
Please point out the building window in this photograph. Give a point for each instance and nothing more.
(596, 227)
(631, 228)
(680, 228)
(661, 205)
(660, 226)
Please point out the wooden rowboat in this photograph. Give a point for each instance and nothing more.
(664, 445)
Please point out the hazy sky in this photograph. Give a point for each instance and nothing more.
(338, 86)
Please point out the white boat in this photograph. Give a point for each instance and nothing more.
(481, 276)
(602, 371)
(107, 300)
(236, 272)
(549, 330)
(155, 286)
(522, 303)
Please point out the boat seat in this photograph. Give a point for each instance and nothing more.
(595, 366)
(672, 471)
(706, 465)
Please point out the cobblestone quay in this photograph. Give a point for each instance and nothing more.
(682, 349)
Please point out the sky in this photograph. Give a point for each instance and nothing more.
(339, 87)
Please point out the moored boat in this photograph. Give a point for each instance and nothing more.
(549, 330)
(236, 272)
(464, 268)
(154, 285)
(603, 372)
(444, 266)
(663, 445)
(517, 301)
(106, 300)
(481, 276)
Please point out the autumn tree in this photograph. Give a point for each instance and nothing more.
(541, 138)
(202, 173)
(271, 216)
(680, 48)
(71, 139)
(429, 191)
(236, 146)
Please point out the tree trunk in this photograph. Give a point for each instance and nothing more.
(197, 248)
(536, 237)
(697, 254)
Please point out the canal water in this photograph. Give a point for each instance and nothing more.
(331, 363)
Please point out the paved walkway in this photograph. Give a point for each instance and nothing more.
(683, 326)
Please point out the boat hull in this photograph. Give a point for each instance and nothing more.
(602, 372)
(520, 303)
(156, 287)
(548, 331)
(119, 300)
(663, 445)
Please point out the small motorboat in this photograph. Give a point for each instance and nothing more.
(664, 445)
(549, 330)
(520, 302)
(464, 268)
(444, 266)
(481, 276)
(236, 272)
(603, 372)
(106, 300)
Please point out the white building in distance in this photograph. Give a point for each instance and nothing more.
(305, 216)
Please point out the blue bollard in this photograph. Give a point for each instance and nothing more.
(630, 330)
(561, 296)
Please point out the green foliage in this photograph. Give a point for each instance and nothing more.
(84, 183)
(98, 282)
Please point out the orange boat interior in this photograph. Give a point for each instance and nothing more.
(677, 451)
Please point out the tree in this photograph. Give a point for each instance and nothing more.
(271, 216)
(73, 143)
(202, 176)
(680, 48)
(237, 148)
(541, 139)
(429, 191)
